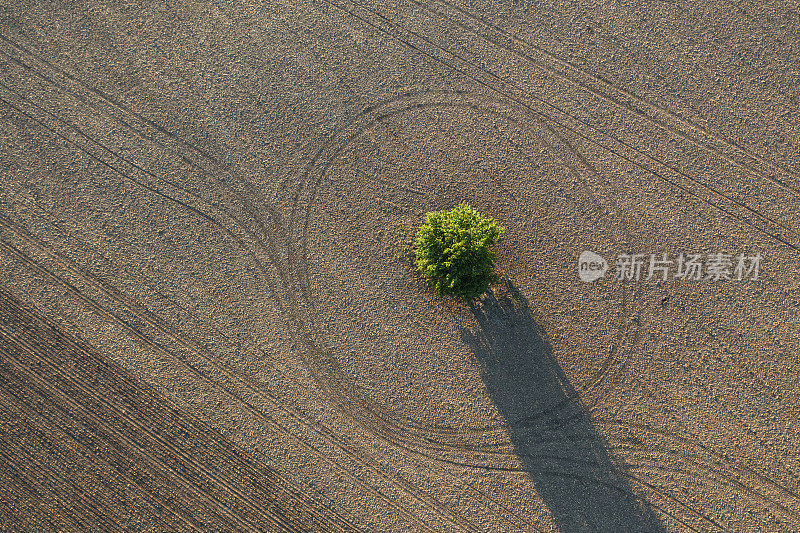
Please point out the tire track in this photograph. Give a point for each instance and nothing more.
(106, 164)
(312, 177)
(714, 473)
(241, 385)
(777, 236)
(719, 470)
(94, 141)
(611, 93)
(125, 116)
(589, 480)
(678, 185)
(474, 466)
(185, 203)
(479, 496)
(418, 451)
(681, 443)
(679, 179)
(182, 203)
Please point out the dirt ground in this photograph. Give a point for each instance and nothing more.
(210, 320)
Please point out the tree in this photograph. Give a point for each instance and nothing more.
(453, 251)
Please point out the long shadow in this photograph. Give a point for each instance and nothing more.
(562, 451)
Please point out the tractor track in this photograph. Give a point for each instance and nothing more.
(659, 115)
(185, 203)
(417, 440)
(136, 325)
(477, 466)
(205, 216)
(478, 495)
(561, 117)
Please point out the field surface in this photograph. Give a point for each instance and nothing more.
(209, 315)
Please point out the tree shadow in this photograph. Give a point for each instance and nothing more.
(564, 454)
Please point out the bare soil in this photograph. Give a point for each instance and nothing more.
(209, 315)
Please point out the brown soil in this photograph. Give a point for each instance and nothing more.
(209, 318)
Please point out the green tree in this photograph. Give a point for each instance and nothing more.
(453, 251)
